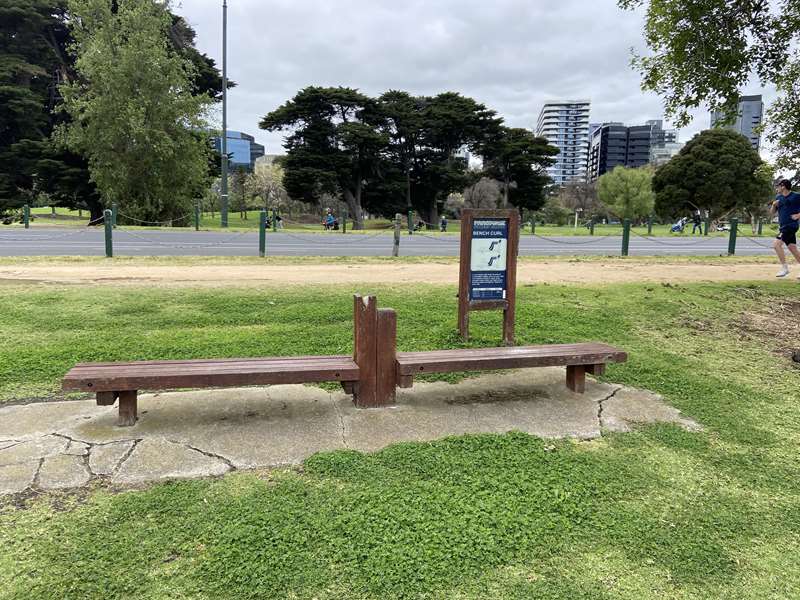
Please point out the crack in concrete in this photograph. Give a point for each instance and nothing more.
(600, 408)
(35, 482)
(125, 456)
(341, 419)
(208, 454)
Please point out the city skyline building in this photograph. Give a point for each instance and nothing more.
(565, 125)
(615, 144)
(751, 113)
(242, 149)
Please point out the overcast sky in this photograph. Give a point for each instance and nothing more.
(512, 55)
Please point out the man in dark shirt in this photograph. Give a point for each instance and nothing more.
(787, 205)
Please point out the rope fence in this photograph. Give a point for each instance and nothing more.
(311, 239)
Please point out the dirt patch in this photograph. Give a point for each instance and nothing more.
(776, 324)
(528, 272)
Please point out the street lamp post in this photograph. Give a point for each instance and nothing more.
(224, 157)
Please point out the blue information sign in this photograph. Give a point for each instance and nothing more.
(488, 257)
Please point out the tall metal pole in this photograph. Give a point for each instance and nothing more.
(224, 157)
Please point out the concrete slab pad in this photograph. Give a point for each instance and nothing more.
(30, 421)
(629, 407)
(62, 472)
(159, 459)
(247, 426)
(47, 445)
(77, 448)
(209, 432)
(18, 477)
(105, 458)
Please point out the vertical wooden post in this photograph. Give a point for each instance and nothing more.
(365, 323)
(650, 225)
(732, 238)
(26, 216)
(114, 214)
(410, 222)
(576, 378)
(386, 359)
(396, 245)
(262, 233)
(463, 278)
(626, 236)
(509, 313)
(108, 223)
(127, 408)
(197, 216)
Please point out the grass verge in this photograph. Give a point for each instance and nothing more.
(653, 514)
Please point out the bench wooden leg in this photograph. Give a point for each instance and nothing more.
(576, 378)
(348, 387)
(597, 369)
(107, 398)
(127, 408)
(405, 381)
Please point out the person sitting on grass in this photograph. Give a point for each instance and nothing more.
(787, 205)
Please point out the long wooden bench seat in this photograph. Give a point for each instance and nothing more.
(112, 381)
(371, 375)
(578, 358)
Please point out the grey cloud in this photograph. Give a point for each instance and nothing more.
(512, 55)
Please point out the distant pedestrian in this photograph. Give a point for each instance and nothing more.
(697, 223)
(443, 224)
(279, 222)
(329, 220)
(787, 205)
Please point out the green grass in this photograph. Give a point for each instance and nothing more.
(659, 513)
(237, 222)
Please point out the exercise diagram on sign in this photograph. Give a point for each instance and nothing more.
(488, 253)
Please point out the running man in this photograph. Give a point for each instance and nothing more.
(787, 205)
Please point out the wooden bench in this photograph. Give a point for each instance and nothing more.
(371, 375)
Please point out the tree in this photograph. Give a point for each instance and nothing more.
(717, 170)
(239, 190)
(403, 118)
(517, 158)
(132, 109)
(266, 182)
(484, 193)
(335, 146)
(579, 196)
(705, 51)
(31, 57)
(627, 193)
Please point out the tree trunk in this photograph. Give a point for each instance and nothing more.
(95, 212)
(505, 192)
(433, 212)
(354, 206)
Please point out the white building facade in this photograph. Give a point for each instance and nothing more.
(565, 124)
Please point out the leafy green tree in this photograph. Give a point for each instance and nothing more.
(627, 193)
(132, 108)
(717, 170)
(703, 52)
(403, 118)
(335, 147)
(517, 158)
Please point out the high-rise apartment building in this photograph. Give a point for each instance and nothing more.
(751, 112)
(615, 144)
(566, 125)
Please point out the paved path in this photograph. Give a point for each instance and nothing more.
(63, 445)
(90, 242)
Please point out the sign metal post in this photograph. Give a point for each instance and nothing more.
(488, 266)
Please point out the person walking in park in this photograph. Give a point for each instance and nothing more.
(787, 206)
(697, 223)
(443, 224)
(329, 219)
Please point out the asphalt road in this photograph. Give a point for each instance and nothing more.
(90, 242)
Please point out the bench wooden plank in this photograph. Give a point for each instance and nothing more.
(209, 373)
(476, 359)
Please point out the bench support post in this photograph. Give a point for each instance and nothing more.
(365, 324)
(386, 386)
(598, 369)
(127, 408)
(576, 378)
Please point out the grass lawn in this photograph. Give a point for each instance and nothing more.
(659, 513)
(236, 222)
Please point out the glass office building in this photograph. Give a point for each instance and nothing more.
(751, 111)
(242, 150)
